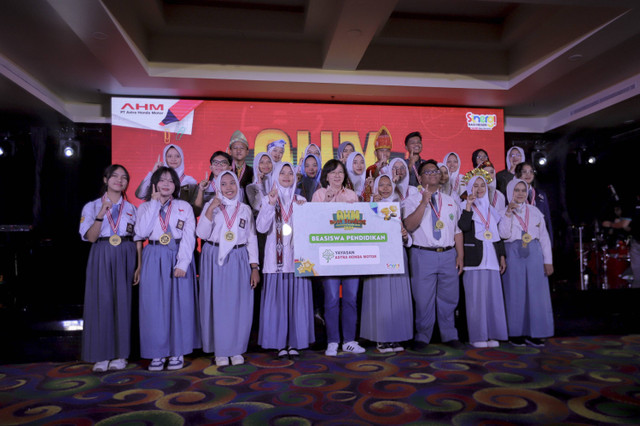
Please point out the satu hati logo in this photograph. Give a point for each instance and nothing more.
(481, 121)
(348, 219)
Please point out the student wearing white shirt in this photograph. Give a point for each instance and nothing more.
(529, 263)
(431, 218)
(399, 171)
(168, 319)
(172, 156)
(262, 170)
(111, 271)
(229, 272)
(286, 308)
(484, 261)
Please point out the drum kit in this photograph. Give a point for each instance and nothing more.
(604, 263)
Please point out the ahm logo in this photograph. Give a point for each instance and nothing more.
(142, 107)
(481, 121)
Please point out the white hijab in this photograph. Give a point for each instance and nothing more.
(486, 209)
(287, 195)
(511, 186)
(356, 180)
(394, 196)
(266, 181)
(403, 185)
(445, 187)
(184, 180)
(508, 163)
(453, 176)
(230, 206)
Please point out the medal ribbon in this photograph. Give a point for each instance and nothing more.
(285, 215)
(115, 225)
(486, 221)
(524, 223)
(230, 221)
(415, 171)
(164, 223)
(279, 242)
(456, 184)
(181, 178)
(495, 198)
(239, 170)
(437, 212)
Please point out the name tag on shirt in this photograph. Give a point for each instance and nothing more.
(180, 225)
(242, 223)
(129, 228)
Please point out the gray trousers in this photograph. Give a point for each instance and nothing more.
(435, 287)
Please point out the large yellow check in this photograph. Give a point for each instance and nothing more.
(347, 239)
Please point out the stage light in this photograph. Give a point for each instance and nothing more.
(68, 151)
(542, 160)
(591, 160)
(7, 147)
(539, 158)
(1, 152)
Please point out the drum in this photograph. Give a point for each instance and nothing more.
(617, 261)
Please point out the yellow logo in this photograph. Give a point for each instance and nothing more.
(348, 219)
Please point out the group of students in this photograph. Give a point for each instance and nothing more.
(451, 223)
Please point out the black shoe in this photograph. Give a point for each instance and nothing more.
(456, 344)
(534, 341)
(419, 345)
(517, 341)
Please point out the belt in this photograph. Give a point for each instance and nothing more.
(156, 242)
(122, 238)
(436, 249)
(218, 245)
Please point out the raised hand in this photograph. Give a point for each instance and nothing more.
(155, 194)
(470, 199)
(106, 206)
(159, 163)
(273, 195)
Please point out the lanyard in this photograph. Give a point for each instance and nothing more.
(230, 220)
(524, 223)
(164, 223)
(485, 221)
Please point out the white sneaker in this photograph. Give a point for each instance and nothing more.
(157, 364)
(118, 364)
(237, 360)
(493, 344)
(221, 361)
(353, 347)
(332, 349)
(479, 344)
(100, 366)
(175, 362)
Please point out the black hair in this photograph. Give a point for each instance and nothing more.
(520, 166)
(221, 154)
(107, 174)
(429, 161)
(155, 178)
(474, 159)
(411, 135)
(330, 166)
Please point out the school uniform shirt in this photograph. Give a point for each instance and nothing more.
(511, 229)
(182, 226)
(423, 235)
(265, 223)
(214, 230)
(345, 195)
(125, 227)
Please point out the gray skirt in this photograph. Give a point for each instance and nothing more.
(486, 319)
(286, 312)
(168, 306)
(225, 301)
(107, 301)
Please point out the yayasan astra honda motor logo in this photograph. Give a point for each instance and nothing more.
(481, 121)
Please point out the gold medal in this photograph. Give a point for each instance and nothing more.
(487, 234)
(286, 229)
(526, 238)
(165, 239)
(115, 240)
(229, 236)
(439, 224)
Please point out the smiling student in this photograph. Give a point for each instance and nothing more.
(172, 156)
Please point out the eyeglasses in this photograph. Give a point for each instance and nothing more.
(431, 172)
(219, 163)
(336, 173)
(527, 172)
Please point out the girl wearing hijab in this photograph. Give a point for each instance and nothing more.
(515, 156)
(356, 169)
(529, 260)
(445, 186)
(276, 150)
(344, 150)
(172, 156)
(535, 196)
(168, 318)
(286, 309)
(496, 198)
(452, 161)
(478, 157)
(219, 162)
(484, 261)
(314, 149)
(387, 306)
(400, 176)
(334, 181)
(256, 191)
(111, 271)
(309, 179)
(228, 272)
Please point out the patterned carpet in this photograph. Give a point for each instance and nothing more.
(582, 380)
